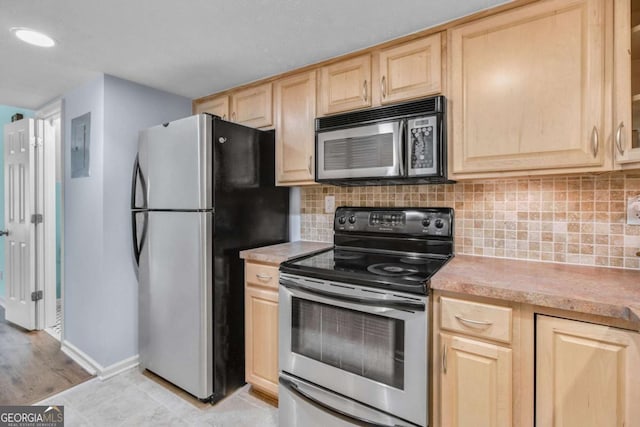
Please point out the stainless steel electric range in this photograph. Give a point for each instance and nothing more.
(353, 320)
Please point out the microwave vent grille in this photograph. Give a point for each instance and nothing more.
(423, 106)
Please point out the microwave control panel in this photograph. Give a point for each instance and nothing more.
(423, 134)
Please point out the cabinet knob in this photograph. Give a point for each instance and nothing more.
(364, 91)
(309, 166)
(383, 86)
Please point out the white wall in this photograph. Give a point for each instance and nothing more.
(101, 290)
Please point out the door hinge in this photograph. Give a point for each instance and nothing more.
(36, 219)
(35, 296)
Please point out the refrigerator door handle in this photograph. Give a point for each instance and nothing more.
(137, 247)
(137, 175)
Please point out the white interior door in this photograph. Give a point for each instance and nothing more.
(21, 152)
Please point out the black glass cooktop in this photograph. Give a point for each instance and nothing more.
(407, 273)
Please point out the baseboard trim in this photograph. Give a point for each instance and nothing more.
(80, 357)
(116, 368)
(93, 367)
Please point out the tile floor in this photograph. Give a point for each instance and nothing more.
(132, 399)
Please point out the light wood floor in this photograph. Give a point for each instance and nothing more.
(32, 366)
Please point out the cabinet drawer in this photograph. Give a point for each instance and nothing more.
(477, 319)
(261, 275)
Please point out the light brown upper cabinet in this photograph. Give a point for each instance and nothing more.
(345, 85)
(218, 106)
(252, 107)
(527, 91)
(627, 83)
(295, 104)
(410, 70)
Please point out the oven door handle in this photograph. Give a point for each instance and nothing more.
(383, 303)
(294, 388)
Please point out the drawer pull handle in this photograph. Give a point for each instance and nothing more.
(478, 323)
(264, 277)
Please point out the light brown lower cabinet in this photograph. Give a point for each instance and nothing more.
(261, 327)
(473, 384)
(586, 375)
(476, 383)
(497, 363)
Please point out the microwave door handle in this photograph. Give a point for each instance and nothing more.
(374, 302)
(401, 149)
(295, 388)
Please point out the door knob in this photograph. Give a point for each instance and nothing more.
(4, 232)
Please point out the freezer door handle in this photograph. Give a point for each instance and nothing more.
(296, 389)
(138, 245)
(138, 176)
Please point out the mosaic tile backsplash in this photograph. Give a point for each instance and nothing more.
(568, 219)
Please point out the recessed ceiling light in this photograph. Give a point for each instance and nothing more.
(33, 37)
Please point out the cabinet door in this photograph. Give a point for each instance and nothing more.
(526, 90)
(586, 375)
(476, 382)
(295, 100)
(627, 83)
(252, 107)
(345, 85)
(261, 339)
(218, 106)
(411, 70)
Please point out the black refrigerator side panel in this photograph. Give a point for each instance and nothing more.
(249, 212)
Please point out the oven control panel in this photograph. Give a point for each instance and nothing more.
(427, 222)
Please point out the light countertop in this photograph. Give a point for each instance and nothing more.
(275, 254)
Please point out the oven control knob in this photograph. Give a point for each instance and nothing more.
(426, 222)
(439, 223)
(352, 219)
(342, 220)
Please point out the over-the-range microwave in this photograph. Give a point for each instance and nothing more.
(397, 144)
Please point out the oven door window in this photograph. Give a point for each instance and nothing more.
(365, 344)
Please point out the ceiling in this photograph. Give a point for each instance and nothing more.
(197, 47)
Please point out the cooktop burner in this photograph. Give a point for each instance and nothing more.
(391, 270)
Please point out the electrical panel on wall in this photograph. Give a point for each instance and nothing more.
(80, 145)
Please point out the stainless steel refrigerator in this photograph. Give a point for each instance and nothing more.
(202, 190)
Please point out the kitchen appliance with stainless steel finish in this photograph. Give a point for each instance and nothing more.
(203, 189)
(396, 144)
(353, 320)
